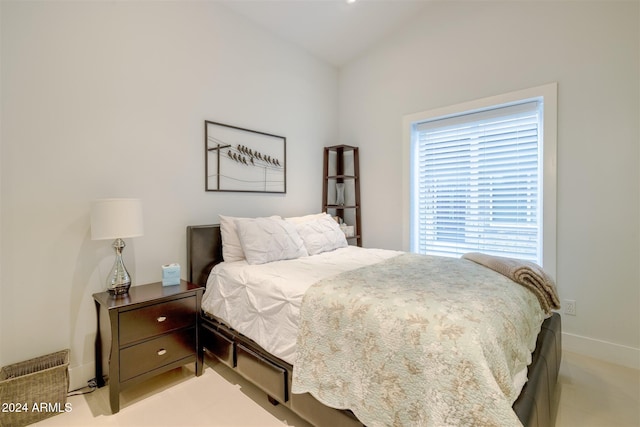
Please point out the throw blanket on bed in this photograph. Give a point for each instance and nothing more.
(526, 273)
(418, 341)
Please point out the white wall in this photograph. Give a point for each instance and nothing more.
(461, 51)
(109, 99)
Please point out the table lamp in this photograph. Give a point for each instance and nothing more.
(116, 219)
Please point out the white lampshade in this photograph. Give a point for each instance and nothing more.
(116, 218)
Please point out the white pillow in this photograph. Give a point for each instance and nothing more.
(231, 247)
(300, 219)
(267, 239)
(321, 235)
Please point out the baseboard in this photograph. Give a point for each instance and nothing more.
(603, 350)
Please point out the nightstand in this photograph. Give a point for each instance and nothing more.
(153, 329)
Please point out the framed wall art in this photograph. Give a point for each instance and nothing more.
(246, 160)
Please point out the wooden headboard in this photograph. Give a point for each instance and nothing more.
(204, 250)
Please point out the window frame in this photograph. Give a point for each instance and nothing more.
(548, 184)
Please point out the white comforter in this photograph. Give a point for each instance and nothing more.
(263, 301)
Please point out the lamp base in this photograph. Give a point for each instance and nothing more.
(118, 281)
(119, 290)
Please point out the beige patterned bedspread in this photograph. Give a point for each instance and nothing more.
(418, 341)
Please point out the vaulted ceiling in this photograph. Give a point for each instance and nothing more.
(332, 30)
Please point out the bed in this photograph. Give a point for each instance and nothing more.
(535, 405)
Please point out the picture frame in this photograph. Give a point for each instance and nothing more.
(244, 160)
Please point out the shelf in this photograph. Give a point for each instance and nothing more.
(342, 147)
(341, 165)
(341, 206)
(342, 177)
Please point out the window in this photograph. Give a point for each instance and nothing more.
(477, 177)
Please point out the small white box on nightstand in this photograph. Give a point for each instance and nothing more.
(170, 274)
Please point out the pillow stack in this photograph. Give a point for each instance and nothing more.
(268, 239)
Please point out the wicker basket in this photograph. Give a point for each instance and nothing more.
(33, 390)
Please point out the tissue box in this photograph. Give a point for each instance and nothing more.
(170, 274)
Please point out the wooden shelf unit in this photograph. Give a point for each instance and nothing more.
(341, 165)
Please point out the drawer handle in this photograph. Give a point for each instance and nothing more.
(162, 352)
(161, 319)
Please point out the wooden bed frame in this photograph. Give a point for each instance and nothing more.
(535, 407)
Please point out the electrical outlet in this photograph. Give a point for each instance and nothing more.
(570, 307)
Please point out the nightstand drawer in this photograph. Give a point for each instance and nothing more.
(156, 319)
(155, 353)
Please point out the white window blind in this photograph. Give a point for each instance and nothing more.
(477, 183)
